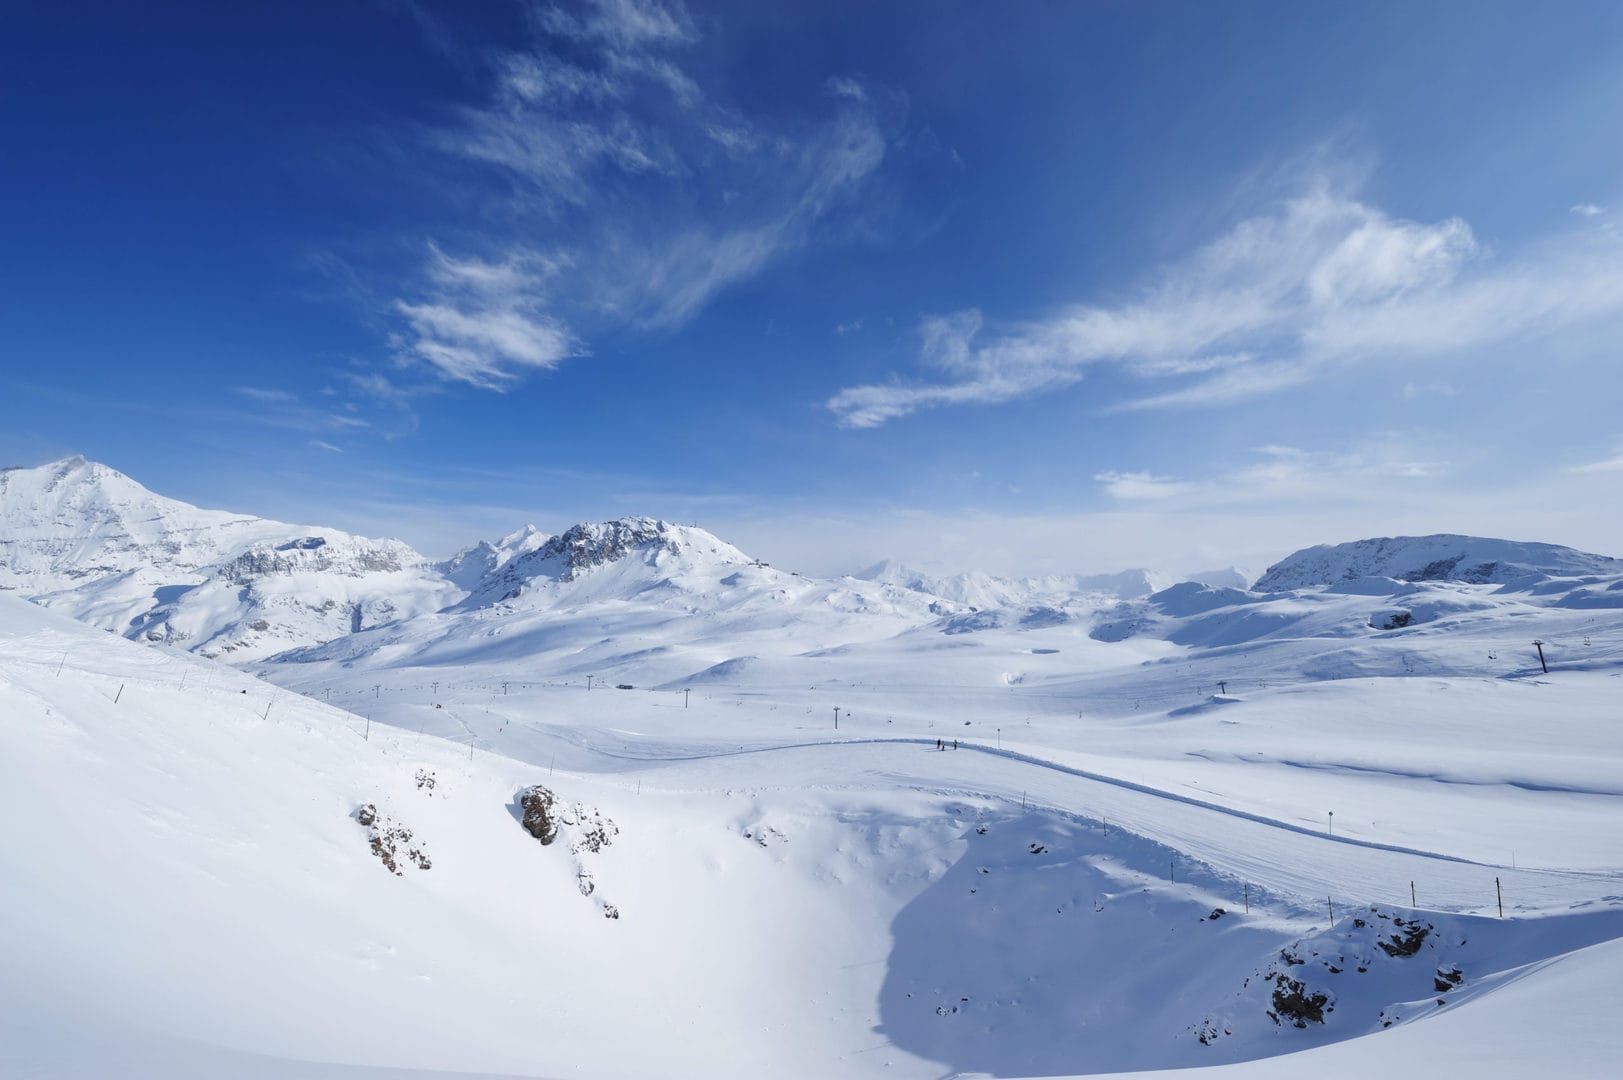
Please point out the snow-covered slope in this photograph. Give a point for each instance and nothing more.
(195, 882)
(1442, 557)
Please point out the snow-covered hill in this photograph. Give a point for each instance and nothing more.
(1442, 557)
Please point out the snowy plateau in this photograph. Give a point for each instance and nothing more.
(624, 801)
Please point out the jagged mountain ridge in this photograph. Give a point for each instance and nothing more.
(468, 567)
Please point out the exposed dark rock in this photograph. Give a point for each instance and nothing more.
(540, 813)
(1293, 1002)
(1406, 943)
(386, 839)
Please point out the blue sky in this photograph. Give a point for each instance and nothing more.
(1033, 287)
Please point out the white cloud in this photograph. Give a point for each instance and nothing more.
(1587, 210)
(269, 396)
(625, 23)
(320, 444)
(1413, 390)
(662, 197)
(1139, 485)
(1604, 465)
(846, 87)
(1285, 476)
(1322, 279)
(484, 323)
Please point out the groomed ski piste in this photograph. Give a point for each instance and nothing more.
(1148, 841)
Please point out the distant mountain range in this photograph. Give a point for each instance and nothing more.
(83, 538)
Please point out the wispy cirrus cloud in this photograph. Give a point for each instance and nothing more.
(1611, 464)
(1323, 278)
(485, 323)
(604, 155)
(1282, 474)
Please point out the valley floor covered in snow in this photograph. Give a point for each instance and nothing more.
(1128, 855)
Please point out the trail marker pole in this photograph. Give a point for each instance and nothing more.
(1539, 645)
(1000, 738)
(684, 699)
(266, 714)
(377, 690)
(1248, 898)
(436, 688)
(1332, 814)
(836, 718)
(64, 661)
(1500, 893)
(368, 735)
(1222, 686)
(588, 684)
(119, 694)
(1411, 896)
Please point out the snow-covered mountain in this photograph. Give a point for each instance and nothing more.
(468, 567)
(639, 552)
(75, 521)
(660, 602)
(1443, 557)
(86, 539)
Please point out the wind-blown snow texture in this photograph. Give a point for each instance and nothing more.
(1149, 797)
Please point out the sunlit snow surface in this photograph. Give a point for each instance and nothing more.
(187, 892)
(804, 884)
